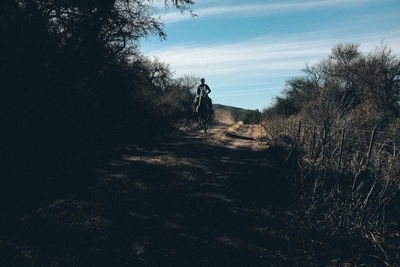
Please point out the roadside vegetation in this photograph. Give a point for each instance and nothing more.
(340, 124)
(74, 81)
(74, 87)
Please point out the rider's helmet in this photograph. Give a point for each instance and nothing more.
(202, 80)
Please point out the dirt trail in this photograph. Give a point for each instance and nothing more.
(193, 199)
(224, 172)
(243, 136)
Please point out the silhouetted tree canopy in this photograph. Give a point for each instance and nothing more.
(73, 76)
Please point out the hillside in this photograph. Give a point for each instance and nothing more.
(229, 114)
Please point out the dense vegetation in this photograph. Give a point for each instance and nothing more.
(340, 124)
(73, 78)
(348, 89)
(74, 86)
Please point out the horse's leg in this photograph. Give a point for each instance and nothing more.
(201, 116)
(199, 119)
(201, 113)
(207, 120)
(206, 123)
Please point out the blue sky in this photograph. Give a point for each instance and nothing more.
(246, 50)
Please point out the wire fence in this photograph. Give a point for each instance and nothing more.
(348, 176)
(346, 148)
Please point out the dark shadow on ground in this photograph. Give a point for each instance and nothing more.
(176, 203)
(240, 137)
(179, 202)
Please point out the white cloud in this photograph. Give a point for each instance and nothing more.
(160, 4)
(263, 9)
(257, 69)
(251, 92)
(261, 57)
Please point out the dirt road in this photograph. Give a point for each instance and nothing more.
(188, 200)
(213, 199)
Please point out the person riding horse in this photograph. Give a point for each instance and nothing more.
(203, 89)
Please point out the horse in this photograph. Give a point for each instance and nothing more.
(203, 111)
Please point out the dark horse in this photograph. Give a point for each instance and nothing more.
(203, 111)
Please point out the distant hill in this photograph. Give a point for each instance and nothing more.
(228, 114)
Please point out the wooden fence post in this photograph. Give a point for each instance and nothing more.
(341, 148)
(299, 132)
(295, 140)
(313, 140)
(324, 136)
(371, 144)
(305, 132)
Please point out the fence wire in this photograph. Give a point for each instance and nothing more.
(347, 148)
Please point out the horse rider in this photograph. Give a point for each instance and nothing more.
(205, 88)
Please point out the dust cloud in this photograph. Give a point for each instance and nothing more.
(223, 117)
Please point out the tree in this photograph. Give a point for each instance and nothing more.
(69, 72)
